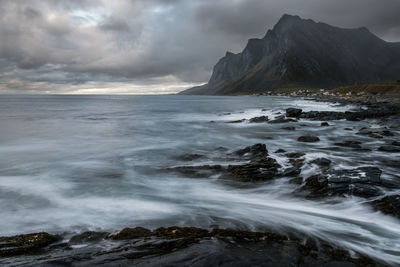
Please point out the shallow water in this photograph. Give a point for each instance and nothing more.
(73, 163)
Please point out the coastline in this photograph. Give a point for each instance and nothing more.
(143, 246)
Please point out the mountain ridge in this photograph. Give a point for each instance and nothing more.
(304, 53)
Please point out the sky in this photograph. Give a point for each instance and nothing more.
(150, 46)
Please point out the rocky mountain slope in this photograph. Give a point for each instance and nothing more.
(304, 53)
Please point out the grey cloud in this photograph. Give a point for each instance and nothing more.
(75, 42)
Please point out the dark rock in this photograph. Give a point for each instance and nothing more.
(296, 180)
(25, 244)
(254, 151)
(280, 151)
(89, 236)
(130, 233)
(348, 129)
(293, 112)
(262, 169)
(259, 119)
(368, 175)
(388, 205)
(375, 132)
(323, 162)
(295, 155)
(181, 232)
(281, 119)
(395, 143)
(390, 149)
(237, 121)
(293, 171)
(324, 124)
(359, 182)
(308, 139)
(349, 143)
(323, 115)
(289, 128)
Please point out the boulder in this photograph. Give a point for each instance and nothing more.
(308, 139)
(361, 182)
(293, 112)
(389, 148)
(262, 169)
(349, 143)
(388, 205)
(25, 244)
(322, 162)
(259, 119)
(289, 128)
(89, 236)
(254, 151)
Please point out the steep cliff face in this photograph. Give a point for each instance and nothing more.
(303, 53)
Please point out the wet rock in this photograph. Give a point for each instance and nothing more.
(349, 143)
(162, 247)
(262, 169)
(293, 171)
(323, 115)
(25, 244)
(370, 175)
(361, 182)
(247, 235)
(388, 205)
(259, 119)
(395, 143)
(324, 124)
(375, 132)
(295, 155)
(181, 232)
(185, 246)
(280, 151)
(348, 129)
(290, 128)
(237, 121)
(254, 151)
(296, 180)
(322, 162)
(89, 236)
(281, 119)
(308, 139)
(293, 112)
(389, 148)
(130, 233)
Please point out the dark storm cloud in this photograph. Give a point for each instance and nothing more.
(53, 45)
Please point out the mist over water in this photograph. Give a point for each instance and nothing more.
(76, 163)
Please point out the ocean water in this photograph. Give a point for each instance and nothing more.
(76, 163)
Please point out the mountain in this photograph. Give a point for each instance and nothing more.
(304, 53)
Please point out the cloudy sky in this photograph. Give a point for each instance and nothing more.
(150, 46)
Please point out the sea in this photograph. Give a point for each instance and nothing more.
(72, 163)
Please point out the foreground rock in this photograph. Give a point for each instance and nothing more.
(259, 119)
(25, 244)
(389, 205)
(188, 246)
(361, 182)
(308, 139)
(372, 112)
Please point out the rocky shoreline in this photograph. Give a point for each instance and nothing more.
(184, 246)
(175, 246)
